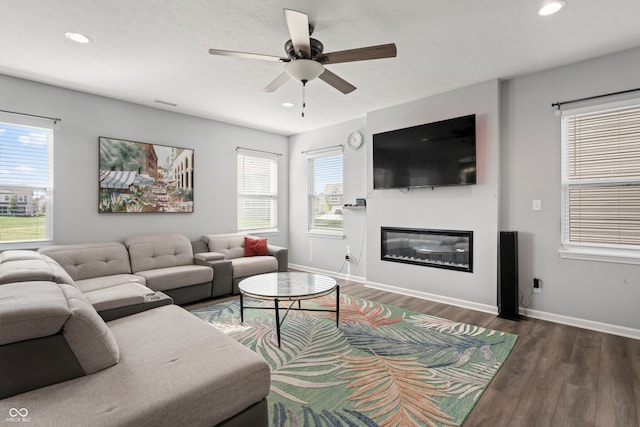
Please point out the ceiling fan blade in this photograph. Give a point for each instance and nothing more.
(298, 25)
(337, 82)
(247, 55)
(275, 85)
(361, 54)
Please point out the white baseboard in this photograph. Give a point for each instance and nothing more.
(328, 273)
(486, 308)
(607, 328)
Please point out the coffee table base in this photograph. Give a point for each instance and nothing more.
(277, 309)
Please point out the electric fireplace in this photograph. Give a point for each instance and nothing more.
(450, 249)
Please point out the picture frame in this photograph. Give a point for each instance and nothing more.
(138, 177)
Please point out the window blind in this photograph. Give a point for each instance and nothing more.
(257, 192)
(325, 176)
(601, 178)
(26, 183)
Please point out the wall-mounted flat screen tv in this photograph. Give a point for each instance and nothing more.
(427, 155)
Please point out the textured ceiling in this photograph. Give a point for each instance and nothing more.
(148, 50)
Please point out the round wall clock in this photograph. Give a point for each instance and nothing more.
(355, 140)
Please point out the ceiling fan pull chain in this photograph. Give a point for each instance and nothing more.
(304, 102)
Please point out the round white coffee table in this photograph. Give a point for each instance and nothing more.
(289, 286)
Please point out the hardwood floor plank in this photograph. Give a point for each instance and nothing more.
(576, 407)
(634, 359)
(616, 402)
(493, 412)
(544, 384)
(584, 363)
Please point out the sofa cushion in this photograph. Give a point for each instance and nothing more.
(152, 251)
(93, 284)
(253, 247)
(89, 260)
(231, 245)
(117, 296)
(161, 279)
(31, 310)
(249, 266)
(175, 370)
(34, 267)
(18, 255)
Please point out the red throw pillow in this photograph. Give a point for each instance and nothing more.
(253, 247)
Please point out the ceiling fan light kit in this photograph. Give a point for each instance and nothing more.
(304, 70)
(305, 59)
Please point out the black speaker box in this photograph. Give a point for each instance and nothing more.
(508, 293)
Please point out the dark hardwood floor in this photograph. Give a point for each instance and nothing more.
(556, 375)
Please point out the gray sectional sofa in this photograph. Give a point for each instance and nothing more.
(89, 336)
(159, 262)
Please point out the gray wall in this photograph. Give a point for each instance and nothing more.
(324, 253)
(86, 117)
(530, 168)
(473, 207)
(462, 208)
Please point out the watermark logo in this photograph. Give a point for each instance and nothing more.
(20, 415)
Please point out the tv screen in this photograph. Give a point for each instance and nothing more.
(427, 155)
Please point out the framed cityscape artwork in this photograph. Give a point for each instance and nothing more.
(136, 177)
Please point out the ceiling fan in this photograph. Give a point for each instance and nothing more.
(305, 58)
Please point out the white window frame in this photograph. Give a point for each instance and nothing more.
(312, 229)
(46, 185)
(626, 254)
(247, 193)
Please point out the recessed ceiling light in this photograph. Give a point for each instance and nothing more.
(77, 37)
(551, 7)
(287, 104)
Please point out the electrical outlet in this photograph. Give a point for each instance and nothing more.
(537, 284)
(537, 205)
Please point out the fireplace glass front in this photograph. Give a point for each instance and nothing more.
(449, 249)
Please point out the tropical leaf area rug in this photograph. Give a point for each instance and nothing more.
(383, 366)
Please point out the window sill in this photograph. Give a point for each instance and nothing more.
(326, 234)
(31, 245)
(262, 231)
(614, 255)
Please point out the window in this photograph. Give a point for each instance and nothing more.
(601, 183)
(325, 193)
(257, 191)
(26, 184)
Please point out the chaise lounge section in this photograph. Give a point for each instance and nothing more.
(161, 367)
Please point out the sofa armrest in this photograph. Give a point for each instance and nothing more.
(33, 351)
(282, 255)
(222, 277)
(31, 310)
(204, 258)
